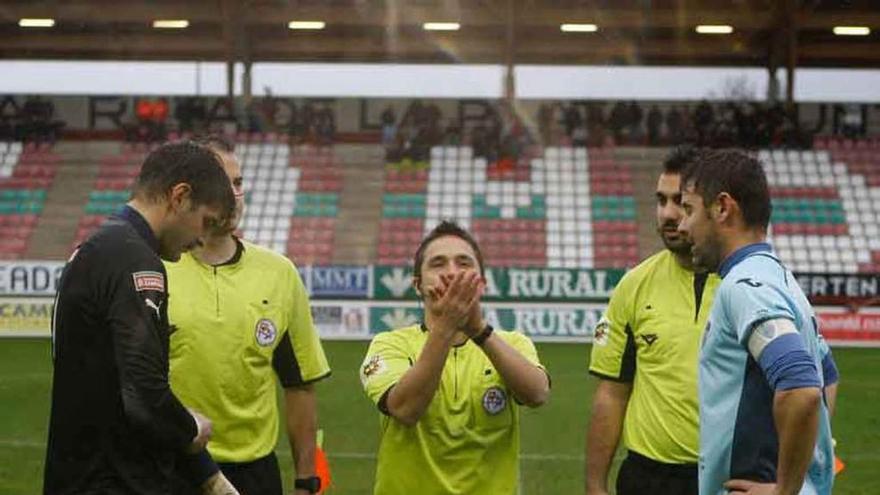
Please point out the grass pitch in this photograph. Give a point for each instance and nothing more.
(552, 437)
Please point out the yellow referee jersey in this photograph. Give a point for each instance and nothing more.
(650, 336)
(235, 327)
(467, 442)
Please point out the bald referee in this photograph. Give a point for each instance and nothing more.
(645, 357)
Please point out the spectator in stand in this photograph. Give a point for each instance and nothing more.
(308, 122)
(596, 123)
(252, 118)
(415, 116)
(618, 121)
(326, 126)
(9, 114)
(184, 113)
(292, 119)
(160, 118)
(724, 134)
(432, 118)
(852, 121)
(579, 136)
(38, 125)
(747, 125)
(494, 138)
(452, 137)
(704, 118)
(268, 109)
(634, 118)
(573, 119)
(421, 146)
(389, 126)
(655, 121)
(144, 112)
(545, 122)
(480, 141)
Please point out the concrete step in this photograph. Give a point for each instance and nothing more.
(360, 203)
(65, 202)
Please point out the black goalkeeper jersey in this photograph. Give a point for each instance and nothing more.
(115, 425)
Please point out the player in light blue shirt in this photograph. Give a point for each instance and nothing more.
(764, 423)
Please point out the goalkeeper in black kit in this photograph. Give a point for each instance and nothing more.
(115, 425)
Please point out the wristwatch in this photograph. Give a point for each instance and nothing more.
(481, 337)
(311, 484)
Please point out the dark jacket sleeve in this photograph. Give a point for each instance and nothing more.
(137, 318)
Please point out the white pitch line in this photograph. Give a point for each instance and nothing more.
(24, 377)
(9, 442)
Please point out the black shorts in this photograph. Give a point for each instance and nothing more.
(640, 475)
(259, 477)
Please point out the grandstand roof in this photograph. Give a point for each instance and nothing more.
(645, 32)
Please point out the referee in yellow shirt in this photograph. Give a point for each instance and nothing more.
(645, 353)
(241, 321)
(449, 389)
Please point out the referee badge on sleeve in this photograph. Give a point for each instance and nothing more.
(373, 366)
(600, 333)
(266, 332)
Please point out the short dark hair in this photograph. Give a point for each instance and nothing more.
(444, 228)
(712, 172)
(186, 162)
(216, 142)
(679, 158)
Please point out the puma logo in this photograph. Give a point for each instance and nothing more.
(150, 304)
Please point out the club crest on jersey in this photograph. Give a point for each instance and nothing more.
(600, 333)
(266, 332)
(494, 400)
(148, 281)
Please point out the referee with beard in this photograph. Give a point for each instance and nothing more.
(644, 354)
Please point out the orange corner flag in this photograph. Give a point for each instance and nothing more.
(322, 466)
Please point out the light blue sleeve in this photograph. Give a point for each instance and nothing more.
(822, 347)
(750, 300)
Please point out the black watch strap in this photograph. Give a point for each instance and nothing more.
(481, 337)
(311, 484)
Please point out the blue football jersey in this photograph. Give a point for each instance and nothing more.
(738, 437)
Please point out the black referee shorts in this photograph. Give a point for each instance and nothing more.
(259, 477)
(640, 475)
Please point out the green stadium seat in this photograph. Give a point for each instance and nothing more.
(531, 213)
(390, 211)
(601, 214)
